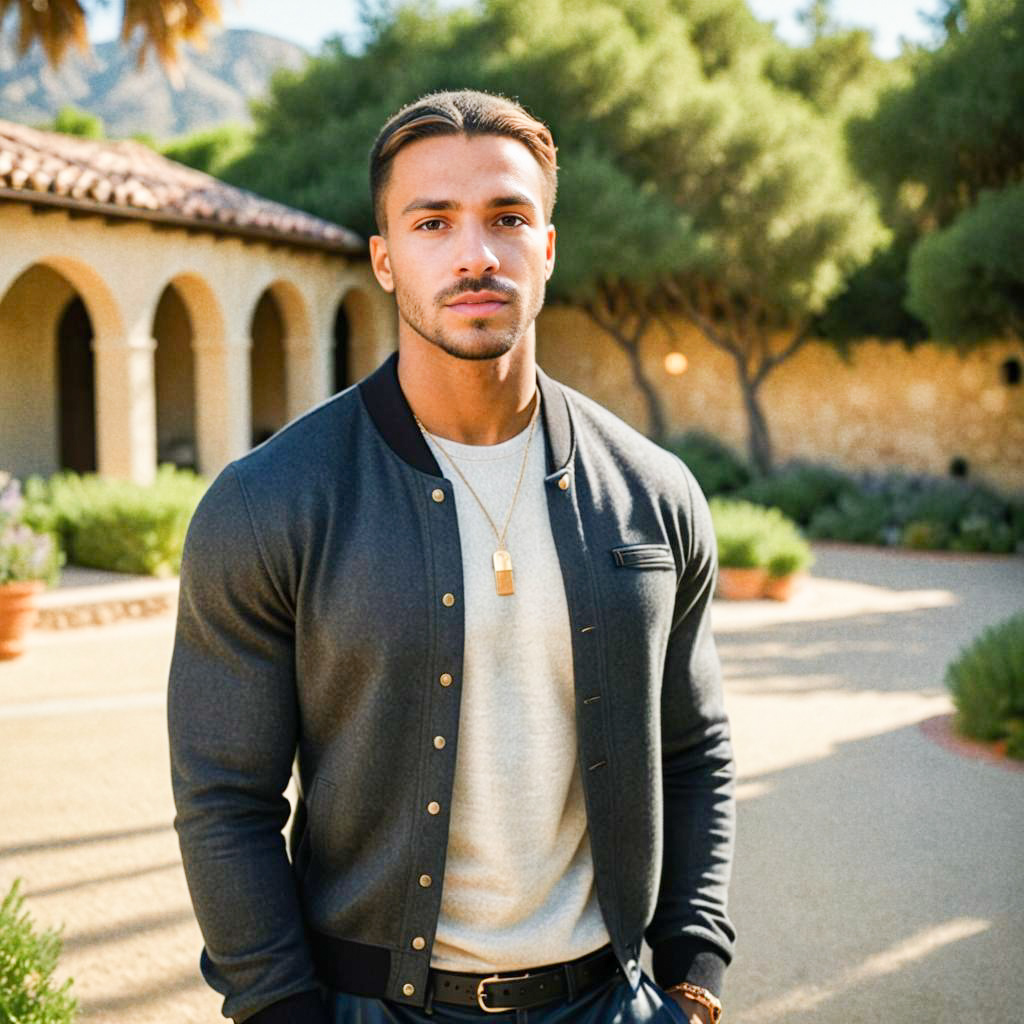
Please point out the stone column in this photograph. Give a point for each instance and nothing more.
(223, 403)
(126, 407)
(307, 372)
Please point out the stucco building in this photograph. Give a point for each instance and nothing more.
(152, 313)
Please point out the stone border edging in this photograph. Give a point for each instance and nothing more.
(104, 604)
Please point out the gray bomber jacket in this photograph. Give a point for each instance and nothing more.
(312, 634)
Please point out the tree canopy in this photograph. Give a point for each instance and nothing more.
(967, 280)
(691, 179)
(940, 151)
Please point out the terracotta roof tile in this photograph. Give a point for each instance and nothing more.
(130, 179)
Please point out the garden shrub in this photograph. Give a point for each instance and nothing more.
(890, 508)
(27, 551)
(123, 526)
(28, 993)
(922, 512)
(987, 683)
(799, 489)
(718, 469)
(857, 517)
(750, 536)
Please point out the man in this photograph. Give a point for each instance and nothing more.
(472, 607)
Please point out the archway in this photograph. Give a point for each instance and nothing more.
(174, 369)
(358, 335)
(47, 381)
(342, 334)
(76, 389)
(268, 369)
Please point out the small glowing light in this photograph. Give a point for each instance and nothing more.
(676, 363)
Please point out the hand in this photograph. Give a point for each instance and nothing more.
(695, 1012)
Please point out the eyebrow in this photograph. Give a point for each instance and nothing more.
(513, 199)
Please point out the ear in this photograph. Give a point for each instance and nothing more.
(380, 262)
(549, 255)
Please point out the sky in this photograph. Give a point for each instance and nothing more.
(308, 22)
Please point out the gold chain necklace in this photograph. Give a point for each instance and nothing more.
(504, 582)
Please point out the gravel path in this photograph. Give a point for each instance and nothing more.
(877, 872)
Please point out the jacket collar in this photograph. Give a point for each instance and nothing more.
(392, 416)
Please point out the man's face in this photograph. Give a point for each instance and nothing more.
(468, 249)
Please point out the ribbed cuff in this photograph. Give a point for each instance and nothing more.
(301, 1008)
(687, 959)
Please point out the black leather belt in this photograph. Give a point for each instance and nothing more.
(526, 989)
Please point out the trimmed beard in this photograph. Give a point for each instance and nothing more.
(500, 340)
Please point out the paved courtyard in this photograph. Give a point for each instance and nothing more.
(878, 871)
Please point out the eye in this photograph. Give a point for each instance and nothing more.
(510, 220)
(434, 224)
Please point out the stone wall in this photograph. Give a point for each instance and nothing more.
(886, 407)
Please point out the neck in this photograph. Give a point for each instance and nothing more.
(472, 401)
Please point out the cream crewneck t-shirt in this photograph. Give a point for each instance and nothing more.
(519, 878)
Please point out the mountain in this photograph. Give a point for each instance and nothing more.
(218, 83)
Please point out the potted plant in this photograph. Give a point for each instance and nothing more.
(741, 562)
(761, 553)
(786, 568)
(28, 561)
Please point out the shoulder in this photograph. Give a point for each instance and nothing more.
(294, 470)
(627, 471)
(603, 436)
(311, 438)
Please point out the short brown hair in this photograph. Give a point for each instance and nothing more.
(464, 112)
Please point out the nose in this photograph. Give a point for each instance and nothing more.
(475, 257)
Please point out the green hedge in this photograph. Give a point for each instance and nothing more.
(718, 469)
(800, 490)
(750, 536)
(987, 683)
(28, 993)
(894, 508)
(118, 525)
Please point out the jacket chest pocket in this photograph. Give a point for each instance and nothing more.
(639, 588)
(644, 556)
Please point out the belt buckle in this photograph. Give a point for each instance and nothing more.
(481, 994)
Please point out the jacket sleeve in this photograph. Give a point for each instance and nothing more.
(232, 720)
(690, 934)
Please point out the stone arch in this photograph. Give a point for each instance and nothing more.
(50, 312)
(174, 375)
(188, 325)
(104, 312)
(268, 369)
(355, 336)
(294, 311)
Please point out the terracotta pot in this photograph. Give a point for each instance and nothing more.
(18, 613)
(782, 588)
(741, 584)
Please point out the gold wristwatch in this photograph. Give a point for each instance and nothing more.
(702, 996)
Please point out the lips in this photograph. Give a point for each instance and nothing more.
(477, 303)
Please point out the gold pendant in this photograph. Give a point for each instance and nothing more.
(503, 581)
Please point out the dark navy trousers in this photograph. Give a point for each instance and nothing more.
(610, 1003)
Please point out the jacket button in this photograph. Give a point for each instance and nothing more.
(439, 742)
(448, 600)
(425, 881)
(437, 494)
(433, 807)
(446, 679)
(563, 482)
(408, 989)
(419, 942)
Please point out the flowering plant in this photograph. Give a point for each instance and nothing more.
(24, 553)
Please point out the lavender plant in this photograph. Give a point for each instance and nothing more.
(25, 554)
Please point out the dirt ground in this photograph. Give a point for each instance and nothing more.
(877, 873)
